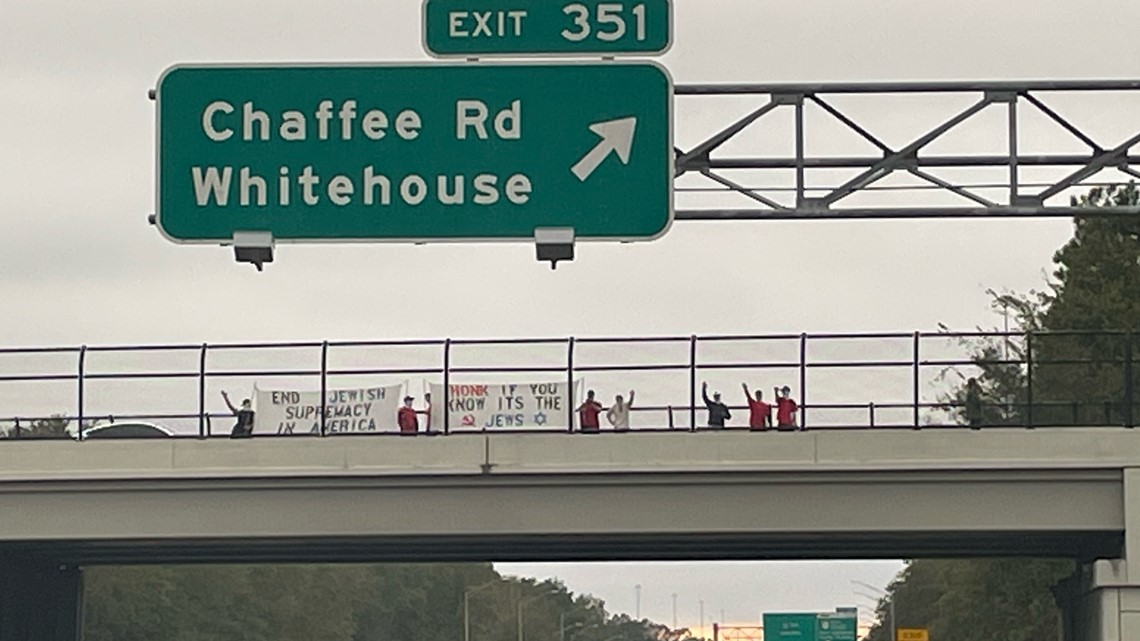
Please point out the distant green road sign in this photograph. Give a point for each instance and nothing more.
(414, 153)
(549, 27)
(827, 626)
(836, 627)
(789, 627)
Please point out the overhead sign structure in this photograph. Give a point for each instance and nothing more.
(550, 27)
(414, 153)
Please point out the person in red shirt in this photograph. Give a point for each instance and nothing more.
(588, 414)
(786, 409)
(759, 412)
(406, 417)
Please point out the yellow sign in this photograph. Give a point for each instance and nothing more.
(912, 634)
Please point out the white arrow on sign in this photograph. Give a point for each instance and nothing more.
(617, 137)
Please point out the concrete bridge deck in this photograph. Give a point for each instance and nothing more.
(725, 495)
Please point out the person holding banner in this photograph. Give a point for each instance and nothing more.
(243, 428)
(407, 419)
(588, 414)
(427, 412)
(618, 415)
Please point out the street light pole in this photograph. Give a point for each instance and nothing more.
(467, 592)
(523, 602)
(890, 602)
(702, 606)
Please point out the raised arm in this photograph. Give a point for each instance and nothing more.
(226, 398)
(705, 393)
(630, 403)
(747, 394)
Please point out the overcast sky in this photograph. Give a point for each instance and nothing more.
(79, 264)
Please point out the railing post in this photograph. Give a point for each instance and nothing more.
(693, 383)
(803, 381)
(80, 378)
(1029, 420)
(324, 385)
(1129, 382)
(203, 426)
(871, 412)
(570, 396)
(447, 386)
(18, 430)
(671, 425)
(917, 380)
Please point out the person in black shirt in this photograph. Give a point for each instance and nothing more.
(718, 411)
(973, 403)
(244, 425)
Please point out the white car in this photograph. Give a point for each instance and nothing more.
(127, 430)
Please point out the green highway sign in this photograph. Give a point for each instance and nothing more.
(547, 27)
(827, 626)
(789, 627)
(414, 153)
(836, 627)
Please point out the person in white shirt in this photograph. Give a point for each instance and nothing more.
(618, 414)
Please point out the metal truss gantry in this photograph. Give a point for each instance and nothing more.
(1008, 196)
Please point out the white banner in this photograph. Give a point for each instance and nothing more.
(477, 406)
(367, 409)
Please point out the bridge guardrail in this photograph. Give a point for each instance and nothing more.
(903, 380)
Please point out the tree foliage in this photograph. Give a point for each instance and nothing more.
(1077, 378)
(390, 602)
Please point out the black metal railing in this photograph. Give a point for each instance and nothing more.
(887, 380)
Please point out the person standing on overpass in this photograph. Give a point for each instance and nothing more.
(243, 428)
(786, 409)
(718, 411)
(618, 415)
(588, 413)
(406, 418)
(973, 403)
(427, 412)
(759, 412)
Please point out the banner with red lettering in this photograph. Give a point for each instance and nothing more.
(492, 406)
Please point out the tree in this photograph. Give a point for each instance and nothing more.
(1076, 377)
(405, 602)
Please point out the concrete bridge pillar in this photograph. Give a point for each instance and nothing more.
(40, 602)
(1101, 601)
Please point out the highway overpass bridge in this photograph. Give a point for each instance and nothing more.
(667, 496)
